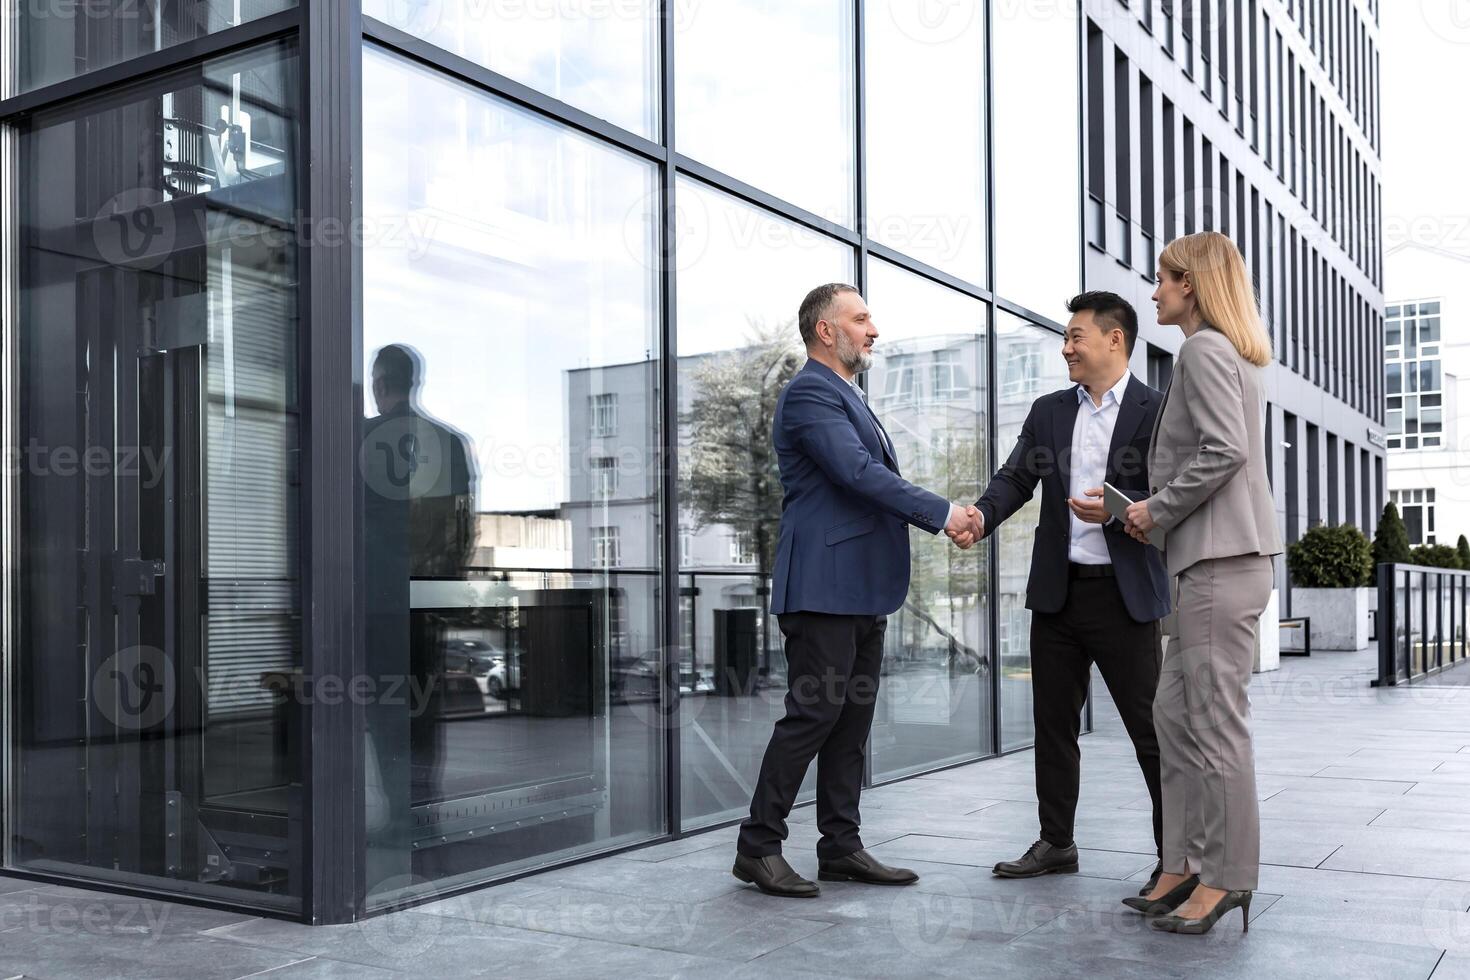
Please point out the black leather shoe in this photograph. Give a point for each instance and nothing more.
(862, 866)
(1041, 859)
(772, 875)
(1153, 881)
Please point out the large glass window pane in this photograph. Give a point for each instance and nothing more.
(156, 744)
(926, 155)
(1029, 364)
(511, 484)
(783, 119)
(1037, 164)
(60, 39)
(602, 57)
(934, 697)
(743, 273)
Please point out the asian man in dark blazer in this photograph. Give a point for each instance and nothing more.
(1095, 593)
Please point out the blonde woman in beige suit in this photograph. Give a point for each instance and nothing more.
(1211, 498)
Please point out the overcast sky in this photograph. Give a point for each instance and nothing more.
(1426, 142)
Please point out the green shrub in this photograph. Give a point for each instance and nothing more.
(1463, 547)
(1436, 556)
(1392, 542)
(1331, 558)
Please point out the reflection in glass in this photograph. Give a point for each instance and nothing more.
(926, 155)
(511, 484)
(1029, 364)
(1038, 258)
(600, 57)
(60, 39)
(746, 273)
(934, 698)
(781, 71)
(159, 607)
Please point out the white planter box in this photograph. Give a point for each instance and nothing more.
(1268, 636)
(1339, 616)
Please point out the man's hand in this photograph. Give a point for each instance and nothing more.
(1139, 522)
(1090, 511)
(966, 527)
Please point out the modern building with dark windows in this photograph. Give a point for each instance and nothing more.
(1258, 119)
(388, 384)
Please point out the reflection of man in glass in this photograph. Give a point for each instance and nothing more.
(420, 523)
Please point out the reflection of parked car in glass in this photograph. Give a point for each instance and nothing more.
(635, 678)
(483, 661)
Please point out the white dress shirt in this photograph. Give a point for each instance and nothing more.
(1092, 437)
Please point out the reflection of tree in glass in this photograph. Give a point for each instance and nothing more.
(946, 582)
(731, 476)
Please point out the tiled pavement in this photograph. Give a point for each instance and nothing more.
(1364, 836)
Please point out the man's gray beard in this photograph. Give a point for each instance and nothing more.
(855, 360)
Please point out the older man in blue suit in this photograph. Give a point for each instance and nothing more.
(842, 565)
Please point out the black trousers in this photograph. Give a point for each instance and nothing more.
(832, 687)
(1093, 627)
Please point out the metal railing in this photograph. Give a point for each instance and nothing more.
(1421, 621)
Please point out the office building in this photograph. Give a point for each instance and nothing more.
(1258, 119)
(1427, 354)
(390, 382)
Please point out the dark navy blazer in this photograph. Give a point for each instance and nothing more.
(1043, 455)
(844, 545)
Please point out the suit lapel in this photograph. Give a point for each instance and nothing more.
(1064, 421)
(1130, 416)
(1159, 418)
(852, 397)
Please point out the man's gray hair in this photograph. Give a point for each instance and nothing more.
(818, 306)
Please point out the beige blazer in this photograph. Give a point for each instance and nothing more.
(1207, 458)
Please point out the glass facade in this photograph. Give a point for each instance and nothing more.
(511, 424)
(158, 519)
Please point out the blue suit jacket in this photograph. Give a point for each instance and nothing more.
(1043, 455)
(844, 544)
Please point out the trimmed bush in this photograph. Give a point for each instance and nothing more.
(1463, 547)
(1436, 556)
(1331, 558)
(1392, 541)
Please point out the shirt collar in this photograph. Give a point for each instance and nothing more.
(1116, 392)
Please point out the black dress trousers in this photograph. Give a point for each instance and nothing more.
(1092, 627)
(832, 687)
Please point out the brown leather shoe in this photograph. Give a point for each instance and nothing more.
(772, 875)
(862, 866)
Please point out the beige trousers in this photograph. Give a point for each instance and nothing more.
(1202, 716)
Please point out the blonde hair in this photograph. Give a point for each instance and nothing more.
(1222, 287)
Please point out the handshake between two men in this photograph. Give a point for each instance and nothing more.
(967, 525)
